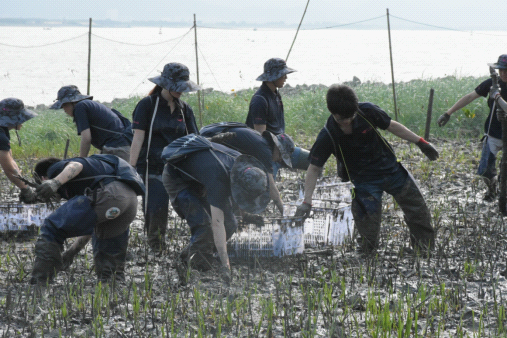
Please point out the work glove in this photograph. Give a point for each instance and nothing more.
(427, 149)
(47, 189)
(493, 92)
(68, 258)
(303, 210)
(27, 196)
(253, 219)
(443, 119)
(225, 275)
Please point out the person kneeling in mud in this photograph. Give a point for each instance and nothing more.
(267, 148)
(203, 179)
(102, 201)
(368, 160)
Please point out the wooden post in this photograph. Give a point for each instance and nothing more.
(89, 54)
(66, 149)
(392, 68)
(197, 66)
(428, 115)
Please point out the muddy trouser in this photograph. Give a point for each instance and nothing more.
(299, 160)
(106, 214)
(367, 209)
(195, 209)
(122, 152)
(155, 216)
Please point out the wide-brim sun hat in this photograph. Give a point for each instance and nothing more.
(69, 94)
(175, 78)
(14, 113)
(501, 64)
(274, 69)
(249, 184)
(284, 143)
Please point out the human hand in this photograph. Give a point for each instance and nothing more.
(427, 149)
(494, 92)
(48, 188)
(225, 275)
(27, 196)
(303, 210)
(443, 119)
(68, 258)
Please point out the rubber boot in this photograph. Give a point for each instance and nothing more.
(199, 254)
(48, 261)
(109, 256)
(491, 188)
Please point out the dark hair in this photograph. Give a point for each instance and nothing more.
(41, 168)
(157, 89)
(342, 100)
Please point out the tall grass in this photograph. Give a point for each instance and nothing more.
(305, 113)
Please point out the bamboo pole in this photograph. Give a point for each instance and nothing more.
(428, 115)
(392, 67)
(89, 54)
(197, 66)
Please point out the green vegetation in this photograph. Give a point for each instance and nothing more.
(305, 110)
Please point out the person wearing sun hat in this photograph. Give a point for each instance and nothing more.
(12, 116)
(159, 119)
(203, 179)
(266, 110)
(98, 126)
(267, 148)
(492, 127)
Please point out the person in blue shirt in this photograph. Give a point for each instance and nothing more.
(12, 116)
(266, 108)
(492, 127)
(159, 119)
(98, 125)
(370, 163)
(101, 193)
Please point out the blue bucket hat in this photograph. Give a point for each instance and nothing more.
(274, 69)
(249, 184)
(284, 143)
(14, 113)
(501, 64)
(69, 94)
(175, 78)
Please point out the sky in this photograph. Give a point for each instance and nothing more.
(463, 14)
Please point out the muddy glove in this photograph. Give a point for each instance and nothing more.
(225, 275)
(427, 149)
(68, 259)
(223, 137)
(47, 189)
(443, 119)
(253, 219)
(493, 92)
(303, 210)
(27, 196)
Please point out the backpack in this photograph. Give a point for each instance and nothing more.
(127, 131)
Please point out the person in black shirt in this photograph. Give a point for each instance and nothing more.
(12, 116)
(492, 127)
(159, 119)
(97, 124)
(369, 161)
(102, 202)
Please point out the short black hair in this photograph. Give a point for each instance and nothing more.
(342, 100)
(41, 168)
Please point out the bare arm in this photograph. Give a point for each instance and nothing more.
(464, 101)
(312, 174)
(274, 193)
(403, 132)
(219, 235)
(69, 172)
(86, 141)
(10, 167)
(260, 127)
(135, 148)
(501, 102)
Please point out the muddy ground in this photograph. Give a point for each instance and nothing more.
(325, 292)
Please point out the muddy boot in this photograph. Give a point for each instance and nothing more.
(156, 235)
(199, 254)
(491, 188)
(48, 261)
(109, 256)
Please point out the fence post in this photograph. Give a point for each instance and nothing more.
(392, 68)
(428, 115)
(89, 54)
(197, 66)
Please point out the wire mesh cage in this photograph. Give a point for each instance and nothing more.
(20, 217)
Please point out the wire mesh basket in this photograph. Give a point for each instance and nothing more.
(19, 217)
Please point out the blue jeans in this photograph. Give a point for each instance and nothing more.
(299, 160)
(487, 167)
(157, 210)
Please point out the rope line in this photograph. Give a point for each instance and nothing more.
(297, 31)
(207, 64)
(346, 24)
(136, 44)
(181, 38)
(44, 45)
